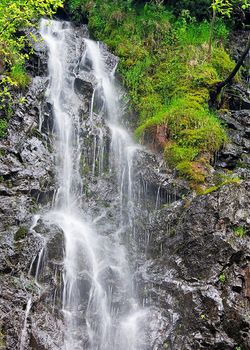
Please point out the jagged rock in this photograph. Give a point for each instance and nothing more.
(26, 179)
(195, 279)
(196, 271)
(237, 98)
(235, 153)
(84, 86)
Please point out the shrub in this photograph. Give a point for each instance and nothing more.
(3, 127)
(19, 76)
(176, 154)
(240, 231)
(164, 64)
(193, 171)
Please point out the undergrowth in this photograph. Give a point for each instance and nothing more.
(15, 48)
(165, 65)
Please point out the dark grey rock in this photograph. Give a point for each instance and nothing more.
(195, 276)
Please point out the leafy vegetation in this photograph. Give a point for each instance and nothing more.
(222, 277)
(14, 17)
(219, 182)
(240, 231)
(21, 233)
(225, 8)
(165, 62)
(166, 65)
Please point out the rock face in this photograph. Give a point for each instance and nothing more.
(26, 185)
(198, 271)
(193, 252)
(31, 249)
(198, 250)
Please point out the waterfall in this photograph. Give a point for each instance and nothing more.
(99, 303)
(24, 330)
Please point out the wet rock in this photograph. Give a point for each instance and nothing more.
(26, 178)
(237, 98)
(84, 86)
(196, 271)
(43, 337)
(235, 153)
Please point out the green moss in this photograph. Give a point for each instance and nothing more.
(222, 62)
(19, 76)
(222, 277)
(21, 233)
(2, 340)
(175, 154)
(192, 171)
(228, 181)
(192, 130)
(240, 231)
(3, 127)
(164, 64)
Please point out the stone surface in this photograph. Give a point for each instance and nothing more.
(198, 271)
(196, 275)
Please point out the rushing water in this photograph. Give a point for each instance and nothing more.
(24, 330)
(99, 303)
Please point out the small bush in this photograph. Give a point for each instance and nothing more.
(192, 171)
(240, 231)
(19, 76)
(222, 277)
(175, 154)
(21, 233)
(3, 127)
(164, 64)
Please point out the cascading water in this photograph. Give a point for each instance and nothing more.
(100, 307)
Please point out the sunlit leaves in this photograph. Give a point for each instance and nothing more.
(15, 15)
(225, 7)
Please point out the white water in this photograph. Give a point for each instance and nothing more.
(100, 308)
(24, 330)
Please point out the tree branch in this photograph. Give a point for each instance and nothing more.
(219, 86)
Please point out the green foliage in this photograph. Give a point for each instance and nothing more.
(19, 76)
(165, 65)
(193, 171)
(21, 233)
(226, 7)
(222, 277)
(240, 231)
(221, 181)
(198, 8)
(3, 127)
(14, 16)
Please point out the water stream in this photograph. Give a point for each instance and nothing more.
(99, 303)
(24, 330)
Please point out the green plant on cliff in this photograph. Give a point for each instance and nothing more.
(165, 64)
(225, 8)
(2, 340)
(240, 231)
(14, 45)
(222, 277)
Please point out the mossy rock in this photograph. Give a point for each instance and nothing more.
(193, 171)
(21, 233)
(2, 340)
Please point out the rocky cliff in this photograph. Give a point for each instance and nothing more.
(193, 251)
